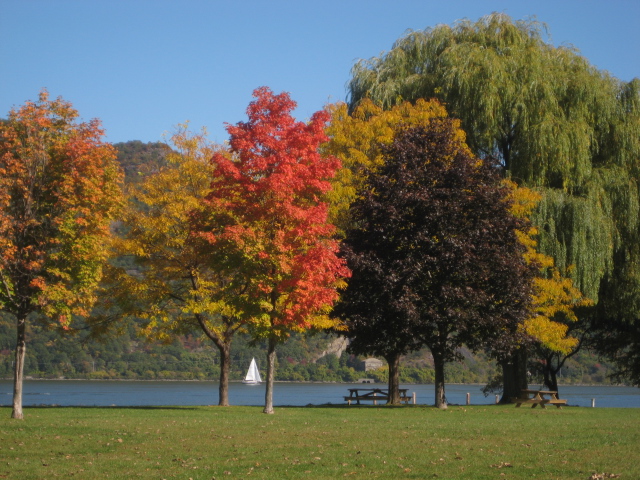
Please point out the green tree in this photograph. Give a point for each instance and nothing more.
(60, 189)
(555, 122)
(615, 330)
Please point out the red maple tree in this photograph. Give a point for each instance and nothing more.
(274, 239)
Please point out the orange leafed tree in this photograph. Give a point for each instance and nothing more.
(268, 224)
(60, 188)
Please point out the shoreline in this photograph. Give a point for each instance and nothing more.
(282, 381)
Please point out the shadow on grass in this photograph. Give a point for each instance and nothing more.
(384, 405)
(195, 407)
(117, 407)
(347, 406)
(333, 406)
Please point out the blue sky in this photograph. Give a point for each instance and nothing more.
(143, 66)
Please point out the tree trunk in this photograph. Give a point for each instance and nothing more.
(223, 342)
(18, 373)
(271, 370)
(223, 387)
(438, 366)
(550, 372)
(394, 384)
(514, 375)
(550, 379)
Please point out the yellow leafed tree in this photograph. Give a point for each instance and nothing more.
(555, 297)
(357, 139)
(173, 290)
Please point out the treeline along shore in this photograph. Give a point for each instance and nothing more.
(302, 359)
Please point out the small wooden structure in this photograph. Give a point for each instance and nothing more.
(374, 394)
(539, 397)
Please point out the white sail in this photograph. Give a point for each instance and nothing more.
(253, 374)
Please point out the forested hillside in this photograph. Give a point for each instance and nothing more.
(300, 359)
(139, 159)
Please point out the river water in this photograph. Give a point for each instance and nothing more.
(165, 393)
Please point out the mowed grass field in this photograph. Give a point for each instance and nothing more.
(324, 442)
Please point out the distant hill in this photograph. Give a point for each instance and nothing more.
(140, 159)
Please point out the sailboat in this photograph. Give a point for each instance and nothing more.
(253, 374)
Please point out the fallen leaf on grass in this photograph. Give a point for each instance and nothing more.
(501, 465)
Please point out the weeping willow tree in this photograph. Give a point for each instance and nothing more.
(556, 123)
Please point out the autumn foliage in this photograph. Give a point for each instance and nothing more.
(60, 188)
(275, 222)
(358, 138)
(172, 289)
(434, 253)
(267, 220)
(59, 191)
(555, 297)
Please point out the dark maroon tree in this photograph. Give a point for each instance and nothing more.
(434, 255)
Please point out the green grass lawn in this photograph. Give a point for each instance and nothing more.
(412, 442)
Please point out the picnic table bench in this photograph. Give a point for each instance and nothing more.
(373, 394)
(539, 397)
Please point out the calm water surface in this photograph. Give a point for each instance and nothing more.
(151, 393)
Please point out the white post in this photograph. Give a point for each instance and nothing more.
(593, 402)
(468, 398)
(414, 398)
(497, 399)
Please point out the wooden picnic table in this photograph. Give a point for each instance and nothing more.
(539, 397)
(373, 394)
